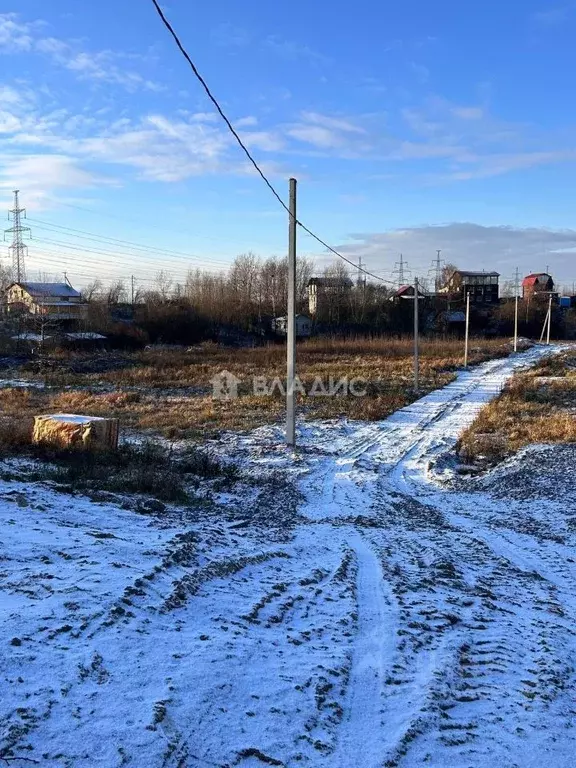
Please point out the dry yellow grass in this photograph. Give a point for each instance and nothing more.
(536, 407)
(169, 391)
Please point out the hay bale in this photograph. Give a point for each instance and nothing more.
(69, 430)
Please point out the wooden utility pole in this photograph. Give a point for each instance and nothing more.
(467, 331)
(516, 289)
(416, 333)
(291, 322)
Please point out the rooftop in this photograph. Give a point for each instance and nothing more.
(49, 289)
(466, 273)
(536, 277)
(331, 282)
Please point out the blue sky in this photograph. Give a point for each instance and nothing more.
(410, 126)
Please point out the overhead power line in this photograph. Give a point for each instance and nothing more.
(106, 240)
(245, 149)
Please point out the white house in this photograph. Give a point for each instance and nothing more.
(326, 290)
(303, 326)
(57, 301)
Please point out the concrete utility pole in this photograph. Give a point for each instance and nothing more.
(132, 292)
(516, 289)
(291, 322)
(416, 333)
(467, 332)
(547, 319)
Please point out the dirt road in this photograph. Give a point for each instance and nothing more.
(386, 621)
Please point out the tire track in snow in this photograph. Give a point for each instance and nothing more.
(360, 738)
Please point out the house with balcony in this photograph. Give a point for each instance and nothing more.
(483, 287)
(57, 302)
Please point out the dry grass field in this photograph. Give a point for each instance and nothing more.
(169, 391)
(536, 407)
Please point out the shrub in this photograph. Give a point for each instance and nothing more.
(15, 434)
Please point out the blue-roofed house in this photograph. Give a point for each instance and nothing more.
(56, 301)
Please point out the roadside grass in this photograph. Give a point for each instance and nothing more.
(169, 391)
(147, 468)
(538, 406)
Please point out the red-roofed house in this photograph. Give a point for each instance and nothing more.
(537, 283)
(405, 292)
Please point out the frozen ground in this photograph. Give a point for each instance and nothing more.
(388, 618)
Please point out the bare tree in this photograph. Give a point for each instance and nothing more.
(93, 291)
(508, 289)
(447, 272)
(163, 285)
(116, 293)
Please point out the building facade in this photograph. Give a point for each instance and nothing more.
(324, 292)
(303, 326)
(483, 287)
(538, 283)
(53, 301)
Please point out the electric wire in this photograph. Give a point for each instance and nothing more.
(245, 149)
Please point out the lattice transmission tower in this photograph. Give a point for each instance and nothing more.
(18, 250)
(436, 271)
(402, 270)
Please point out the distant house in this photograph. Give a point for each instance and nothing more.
(53, 301)
(482, 286)
(303, 326)
(326, 290)
(537, 283)
(406, 292)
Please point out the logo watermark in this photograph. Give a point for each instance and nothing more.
(225, 386)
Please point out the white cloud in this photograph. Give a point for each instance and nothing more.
(487, 166)
(15, 37)
(266, 141)
(333, 123)
(10, 96)
(316, 135)
(409, 150)
(329, 133)
(103, 66)
(246, 122)
(8, 122)
(44, 175)
(469, 246)
(156, 146)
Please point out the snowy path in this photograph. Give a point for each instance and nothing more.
(377, 623)
(392, 623)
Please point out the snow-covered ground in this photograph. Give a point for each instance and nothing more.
(385, 619)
